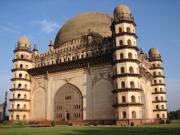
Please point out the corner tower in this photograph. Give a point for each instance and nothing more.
(20, 89)
(158, 85)
(128, 105)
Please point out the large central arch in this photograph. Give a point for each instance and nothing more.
(68, 104)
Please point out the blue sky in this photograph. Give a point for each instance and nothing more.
(157, 26)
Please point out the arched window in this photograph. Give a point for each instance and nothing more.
(133, 99)
(22, 56)
(162, 106)
(157, 107)
(160, 81)
(161, 90)
(24, 106)
(123, 99)
(21, 65)
(129, 42)
(124, 115)
(122, 69)
(154, 81)
(155, 89)
(120, 42)
(25, 86)
(19, 96)
(161, 98)
(131, 70)
(156, 98)
(122, 84)
(120, 30)
(121, 56)
(157, 115)
(20, 75)
(159, 73)
(26, 76)
(12, 106)
(132, 84)
(18, 106)
(128, 29)
(133, 114)
(24, 117)
(154, 73)
(163, 115)
(130, 55)
(19, 85)
(17, 117)
(25, 96)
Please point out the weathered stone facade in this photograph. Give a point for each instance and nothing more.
(93, 72)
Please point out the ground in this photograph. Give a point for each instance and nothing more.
(169, 129)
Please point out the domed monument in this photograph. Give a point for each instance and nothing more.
(92, 73)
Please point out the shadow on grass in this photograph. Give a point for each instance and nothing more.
(125, 131)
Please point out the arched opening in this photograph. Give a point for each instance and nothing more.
(19, 96)
(22, 56)
(132, 84)
(161, 98)
(121, 56)
(26, 76)
(123, 99)
(133, 114)
(120, 42)
(21, 65)
(25, 97)
(124, 115)
(156, 98)
(122, 69)
(133, 99)
(131, 70)
(162, 106)
(24, 117)
(68, 103)
(130, 55)
(129, 42)
(122, 84)
(17, 117)
(120, 30)
(24, 106)
(18, 106)
(163, 115)
(128, 29)
(20, 75)
(19, 85)
(157, 115)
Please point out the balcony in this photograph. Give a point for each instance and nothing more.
(19, 99)
(20, 79)
(126, 47)
(20, 89)
(127, 90)
(22, 59)
(125, 75)
(22, 49)
(158, 76)
(19, 110)
(159, 101)
(127, 60)
(158, 84)
(126, 33)
(159, 92)
(158, 110)
(127, 104)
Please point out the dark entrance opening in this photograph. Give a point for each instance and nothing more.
(68, 116)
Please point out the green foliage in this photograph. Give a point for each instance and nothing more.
(53, 123)
(19, 124)
(5, 123)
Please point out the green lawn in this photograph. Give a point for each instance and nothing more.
(171, 129)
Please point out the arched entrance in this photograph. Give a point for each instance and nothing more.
(68, 104)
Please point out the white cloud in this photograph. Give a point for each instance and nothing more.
(47, 26)
(8, 27)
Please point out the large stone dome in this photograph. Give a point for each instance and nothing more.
(80, 25)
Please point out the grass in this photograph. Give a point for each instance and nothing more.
(170, 129)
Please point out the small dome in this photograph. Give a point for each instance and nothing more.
(154, 53)
(23, 41)
(122, 8)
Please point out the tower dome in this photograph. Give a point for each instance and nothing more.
(23, 41)
(122, 8)
(154, 53)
